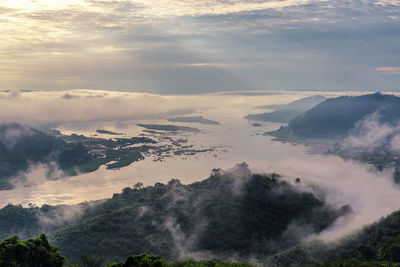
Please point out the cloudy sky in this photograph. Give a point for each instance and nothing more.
(199, 46)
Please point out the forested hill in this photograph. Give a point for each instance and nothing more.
(231, 214)
(21, 146)
(374, 246)
(336, 117)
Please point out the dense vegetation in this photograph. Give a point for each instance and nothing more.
(231, 214)
(21, 146)
(335, 117)
(32, 221)
(145, 260)
(32, 252)
(39, 252)
(375, 245)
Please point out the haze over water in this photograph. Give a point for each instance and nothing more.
(235, 140)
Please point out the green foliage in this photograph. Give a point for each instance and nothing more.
(375, 245)
(74, 156)
(71, 156)
(229, 213)
(32, 146)
(32, 252)
(207, 263)
(356, 263)
(145, 260)
(18, 220)
(40, 253)
(124, 157)
(90, 261)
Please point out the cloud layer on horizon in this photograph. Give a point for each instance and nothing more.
(187, 46)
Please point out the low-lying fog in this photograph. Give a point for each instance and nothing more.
(235, 140)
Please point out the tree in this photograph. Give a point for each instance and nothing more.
(31, 252)
(143, 260)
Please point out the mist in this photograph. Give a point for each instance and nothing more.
(371, 133)
(57, 107)
(371, 195)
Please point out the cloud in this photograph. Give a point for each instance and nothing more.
(5, 10)
(388, 3)
(11, 134)
(371, 195)
(200, 8)
(371, 133)
(188, 47)
(36, 108)
(388, 70)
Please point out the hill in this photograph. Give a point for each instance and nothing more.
(283, 116)
(336, 117)
(21, 146)
(375, 245)
(231, 214)
(301, 104)
(287, 112)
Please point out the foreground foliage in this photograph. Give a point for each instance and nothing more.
(31, 252)
(39, 253)
(145, 260)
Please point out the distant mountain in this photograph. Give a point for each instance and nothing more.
(336, 117)
(301, 104)
(193, 119)
(287, 112)
(282, 116)
(231, 213)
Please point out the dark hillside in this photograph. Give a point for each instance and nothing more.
(336, 117)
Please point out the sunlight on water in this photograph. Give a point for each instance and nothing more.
(234, 140)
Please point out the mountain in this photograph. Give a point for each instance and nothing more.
(287, 112)
(336, 117)
(231, 213)
(282, 116)
(301, 104)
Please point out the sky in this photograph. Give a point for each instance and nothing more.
(194, 47)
